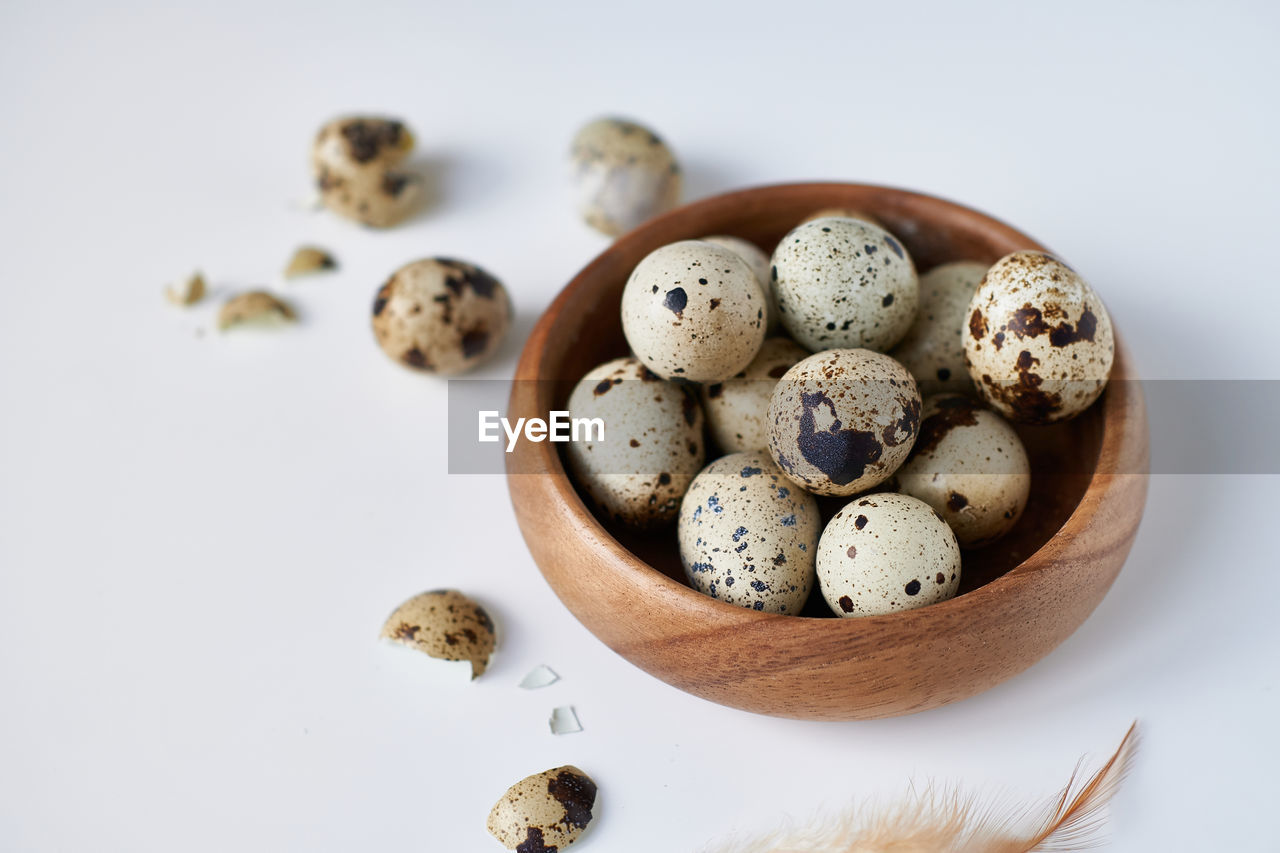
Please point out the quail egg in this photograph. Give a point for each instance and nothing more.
(544, 812)
(737, 409)
(884, 553)
(844, 283)
(444, 624)
(693, 310)
(933, 348)
(1039, 343)
(970, 466)
(748, 536)
(441, 316)
(842, 421)
(759, 263)
(356, 164)
(651, 447)
(843, 213)
(623, 174)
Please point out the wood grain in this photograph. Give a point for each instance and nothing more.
(1021, 597)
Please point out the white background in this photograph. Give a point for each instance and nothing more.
(201, 534)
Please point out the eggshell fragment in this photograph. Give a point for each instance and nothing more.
(188, 291)
(544, 812)
(970, 466)
(933, 348)
(254, 306)
(444, 624)
(1039, 344)
(307, 260)
(623, 174)
(886, 553)
(738, 409)
(693, 310)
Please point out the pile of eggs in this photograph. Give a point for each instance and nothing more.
(833, 369)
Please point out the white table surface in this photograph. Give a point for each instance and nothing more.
(200, 535)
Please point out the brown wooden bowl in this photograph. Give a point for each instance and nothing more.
(1021, 597)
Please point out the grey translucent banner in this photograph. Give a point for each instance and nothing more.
(1195, 427)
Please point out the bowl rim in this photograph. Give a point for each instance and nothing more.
(1120, 451)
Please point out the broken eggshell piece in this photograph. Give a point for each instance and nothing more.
(444, 624)
(543, 812)
(256, 307)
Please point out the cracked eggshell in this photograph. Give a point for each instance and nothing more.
(441, 316)
(623, 174)
(970, 466)
(884, 553)
(844, 283)
(843, 421)
(748, 536)
(652, 445)
(444, 624)
(1039, 344)
(544, 812)
(933, 348)
(354, 161)
(759, 263)
(738, 409)
(254, 307)
(693, 310)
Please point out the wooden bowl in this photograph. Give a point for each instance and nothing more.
(1021, 597)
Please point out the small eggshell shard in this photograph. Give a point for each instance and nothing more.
(737, 409)
(759, 263)
(886, 553)
(355, 160)
(748, 536)
(307, 260)
(441, 316)
(188, 291)
(623, 174)
(1038, 340)
(256, 307)
(652, 442)
(444, 624)
(693, 310)
(844, 283)
(970, 466)
(842, 421)
(843, 213)
(544, 812)
(564, 721)
(538, 677)
(933, 348)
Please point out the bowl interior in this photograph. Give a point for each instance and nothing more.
(1063, 456)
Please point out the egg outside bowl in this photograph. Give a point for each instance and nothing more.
(1019, 599)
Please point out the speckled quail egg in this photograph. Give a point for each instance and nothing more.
(652, 444)
(748, 536)
(843, 213)
(933, 348)
(759, 263)
(441, 316)
(842, 421)
(693, 310)
(970, 466)
(884, 553)
(355, 161)
(1039, 344)
(544, 812)
(737, 409)
(844, 283)
(444, 624)
(623, 174)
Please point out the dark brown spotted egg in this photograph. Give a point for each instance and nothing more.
(933, 348)
(652, 442)
(357, 166)
(1038, 340)
(748, 535)
(970, 466)
(842, 421)
(623, 174)
(886, 553)
(693, 310)
(544, 812)
(844, 283)
(737, 409)
(759, 263)
(441, 316)
(444, 624)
